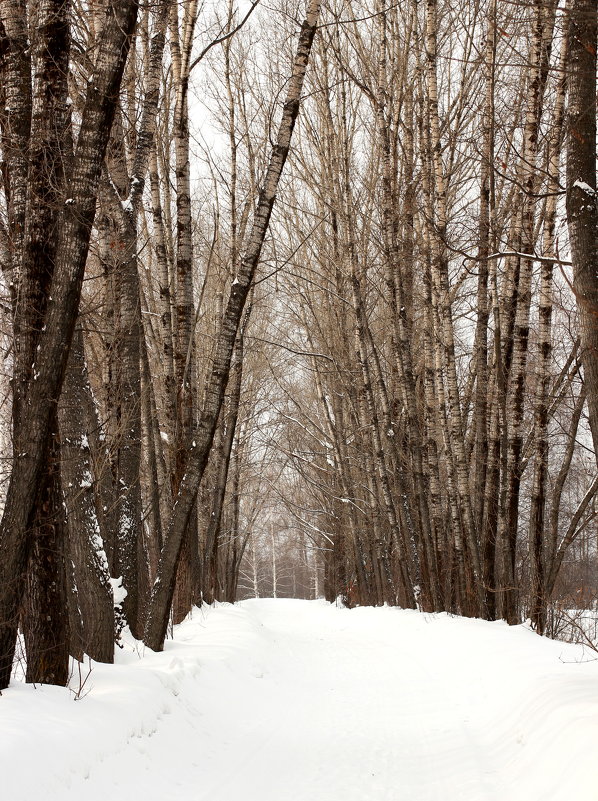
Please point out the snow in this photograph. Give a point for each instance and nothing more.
(86, 480)
(118, 591)
(277, 700)
(585, 187)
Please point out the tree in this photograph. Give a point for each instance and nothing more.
(218, 377)
(582, 202)
(386, 363)
(62, 235)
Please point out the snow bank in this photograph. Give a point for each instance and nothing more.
(277, 700)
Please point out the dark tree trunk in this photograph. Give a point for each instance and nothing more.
(92, 576)
(582, 202)
(70, 243)
(15, 73)
(45, 612)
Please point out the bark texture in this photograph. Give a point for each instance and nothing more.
(582, 201)
(70, 241)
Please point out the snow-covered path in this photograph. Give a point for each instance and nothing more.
(277, 700)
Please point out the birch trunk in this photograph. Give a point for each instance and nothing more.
(184, 372)
(539, 598)
(539, 59)
(481, 398)
(447, 370)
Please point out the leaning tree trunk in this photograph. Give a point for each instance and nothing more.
(216, 384)
(76, 215)
(47, 645)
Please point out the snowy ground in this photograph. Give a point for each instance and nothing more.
(277, 700)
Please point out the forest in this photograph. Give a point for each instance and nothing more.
(297, 299)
